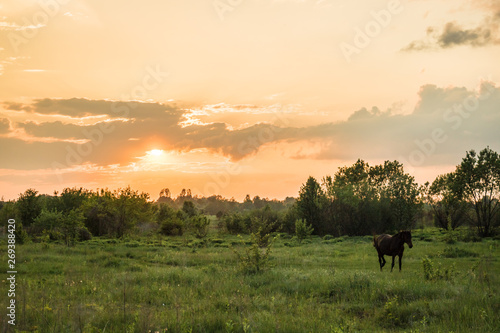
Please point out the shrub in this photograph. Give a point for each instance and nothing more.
(200, 225)
(455, 252)
(234, 223)
(60, 226)
(302, 230)
(171, 221)
(433, 273)
(254, 258)
(172, 227)
(84, 234)
(21, 234)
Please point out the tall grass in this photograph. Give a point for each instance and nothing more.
(181, 284)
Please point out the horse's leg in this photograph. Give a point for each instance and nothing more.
(400, 258)
(392, 266)
(381, 261)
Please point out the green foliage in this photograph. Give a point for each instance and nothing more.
(302, 230)
(434, 272)
(254, 258)
(116, 213)
(447, 205)
(162, 284)
(171, 221)
(22, 236)
(477, 181)
(310, 204)
(261, 227)
(29, 206)
(68, 227)
(8, 211)
(363, 199)
(189, 209)
(234, 223)
(455, 252)
(200, 224)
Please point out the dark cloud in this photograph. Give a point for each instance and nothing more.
(82, 107)
(454, 34)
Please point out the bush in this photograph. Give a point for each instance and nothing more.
(455, 252)
(254, 259)
(235, 224)
(84, 234)
(433, 273)
(171, 221)
(200, 225)
(302, 230)
(21, 234)
(59, 226)
(172, 227)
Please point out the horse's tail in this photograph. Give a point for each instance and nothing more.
(374, 240)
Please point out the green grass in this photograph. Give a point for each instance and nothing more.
(185, 284)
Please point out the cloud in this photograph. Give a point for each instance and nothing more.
(82, 107)
(128, 130)
(454, 34)
(444, 124)
(4, 125)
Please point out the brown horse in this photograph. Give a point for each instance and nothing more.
(392, 246)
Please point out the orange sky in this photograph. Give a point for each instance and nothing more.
(240, 97)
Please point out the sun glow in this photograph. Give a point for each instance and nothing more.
(155, 152)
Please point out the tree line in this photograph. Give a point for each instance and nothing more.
(363, 199)
(357, 200)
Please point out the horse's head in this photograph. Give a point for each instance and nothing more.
(406, 235)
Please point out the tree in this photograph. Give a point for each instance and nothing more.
(170, 221)
(189, 209)
(310, 204)
(72, 198)
(29, 206)
(302, 230)
(59, 225)
(364, 199)
(351, 199)
(200, 224)
(100, 213)
(7, 212)
(258, 203)
(477, 181)
(165, 193)
(131, 208)
(448, 208)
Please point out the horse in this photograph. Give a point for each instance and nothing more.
(391, 246)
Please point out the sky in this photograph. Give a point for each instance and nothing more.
(236, 97)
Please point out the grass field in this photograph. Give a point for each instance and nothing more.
(182, 284)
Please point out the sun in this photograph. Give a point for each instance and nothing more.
(155, 152)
